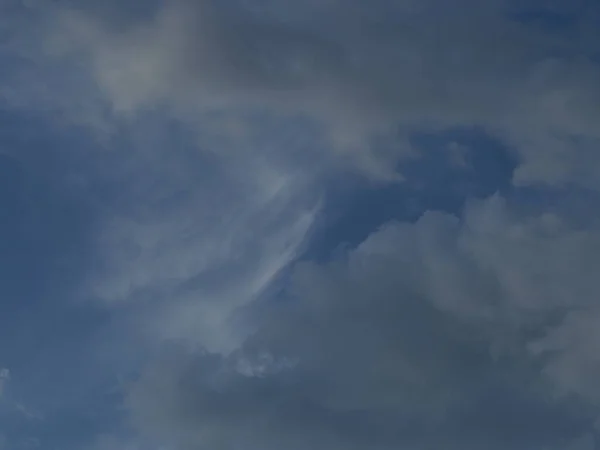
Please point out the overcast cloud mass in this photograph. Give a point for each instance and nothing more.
(315, 225)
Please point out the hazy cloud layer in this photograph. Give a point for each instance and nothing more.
(4, 379)
(174, 162)
(358, 70)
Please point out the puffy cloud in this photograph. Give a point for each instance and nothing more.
(571, 353)
(423, 336)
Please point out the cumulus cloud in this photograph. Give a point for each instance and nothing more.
(426, 334)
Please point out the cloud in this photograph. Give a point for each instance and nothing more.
(585, 442)
(410, 67)
(422, 336)
(29, 413)
(195, 235)
(220, 125)
(570, 350)
(4, 379)
(225, 76)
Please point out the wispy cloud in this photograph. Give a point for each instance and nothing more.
(4, 379)
(420, 336)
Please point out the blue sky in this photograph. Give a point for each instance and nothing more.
(258, 224)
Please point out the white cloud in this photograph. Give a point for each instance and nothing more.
(477, 68)
(213, 69)
(432, 334)
(571, 353)
(421, 336)
(29, 413)
(199, 234)
(4, 379)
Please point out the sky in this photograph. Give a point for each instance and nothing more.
(316, 225)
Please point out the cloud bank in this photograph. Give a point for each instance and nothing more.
(361, 71)
(453, 332)
(206, 137)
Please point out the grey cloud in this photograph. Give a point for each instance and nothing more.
(359, 70)
(197, 241)
(418, 338)
(476, 331)
(571, 354)
(4, 379)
